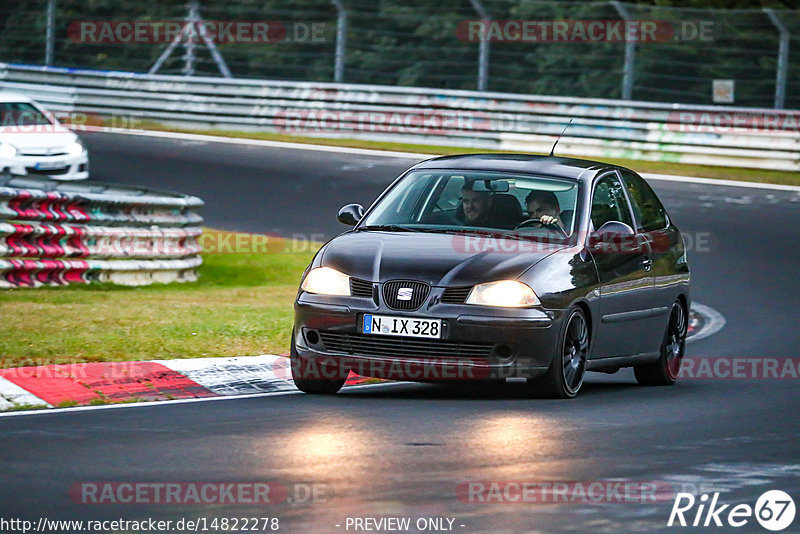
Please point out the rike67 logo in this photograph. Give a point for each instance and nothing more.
(774, 510)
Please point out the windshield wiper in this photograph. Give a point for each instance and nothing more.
(498, 233)
(388, 227)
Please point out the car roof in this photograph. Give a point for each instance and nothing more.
(577, 169)
(13, 97)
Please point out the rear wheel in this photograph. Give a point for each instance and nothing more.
(665, 370)
(309, 377)
(565, 377)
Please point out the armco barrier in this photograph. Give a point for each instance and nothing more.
(711, 135)
(55, 233)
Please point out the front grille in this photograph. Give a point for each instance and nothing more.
(360, 288)
(456, 295)
(419, 292)
(399, 347)
(48, 172)
(42, 154)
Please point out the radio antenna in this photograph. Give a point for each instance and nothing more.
(559, 137)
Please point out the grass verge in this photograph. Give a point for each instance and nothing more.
(241, 305)
(682, 169)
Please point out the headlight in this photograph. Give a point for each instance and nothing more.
(326, 281)
(75, 148)
(507, 293)
(7, 151)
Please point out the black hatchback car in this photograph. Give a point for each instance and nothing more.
(496, 266)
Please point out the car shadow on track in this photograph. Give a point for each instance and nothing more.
(499, 391)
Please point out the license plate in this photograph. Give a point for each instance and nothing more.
(49, 166)
(402, 326)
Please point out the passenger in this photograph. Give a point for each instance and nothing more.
(544, 206)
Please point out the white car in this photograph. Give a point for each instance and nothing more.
(33, 142)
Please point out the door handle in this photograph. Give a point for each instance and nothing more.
(648, 264)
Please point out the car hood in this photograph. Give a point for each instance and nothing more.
(438, 259)
(52, 137)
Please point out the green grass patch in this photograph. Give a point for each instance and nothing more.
(24, 408)
(241, 305)
(661, 167)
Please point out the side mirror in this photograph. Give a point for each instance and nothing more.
(614, 229)
(614, 236)
(351, 214)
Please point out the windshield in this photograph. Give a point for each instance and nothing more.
(479, 201)
(16, 114)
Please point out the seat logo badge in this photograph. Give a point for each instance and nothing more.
(404, 293)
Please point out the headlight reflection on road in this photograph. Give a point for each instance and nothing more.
(516, 437)
(334, 448)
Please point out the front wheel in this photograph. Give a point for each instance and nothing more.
(308, 377)
(565, 377)
(665, 370)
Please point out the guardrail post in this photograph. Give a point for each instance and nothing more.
(49, 50)
(630, 53)
(483, 44)
(341, 40)
(783, 59)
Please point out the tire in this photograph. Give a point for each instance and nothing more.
(665, 370)
(564, 378)
(305, 382)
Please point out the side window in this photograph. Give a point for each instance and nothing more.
(450, 195)
(648, 209)
(609, 202)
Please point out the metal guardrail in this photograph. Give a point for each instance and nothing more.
(709, 135)
(66, 233)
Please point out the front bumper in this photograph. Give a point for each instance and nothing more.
(477, 343)
(61, 167)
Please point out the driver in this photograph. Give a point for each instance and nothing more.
(476, 205)
(544, 206)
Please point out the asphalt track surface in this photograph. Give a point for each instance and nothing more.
(402, 450)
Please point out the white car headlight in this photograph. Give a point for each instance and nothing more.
(7, 151)
(75, 148)
(326, 281)
(506, 293)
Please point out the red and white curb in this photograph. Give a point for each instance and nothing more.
(88, 384)
(236, 376)
(94, 384)
(13, 396)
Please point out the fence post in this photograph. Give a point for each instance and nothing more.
(212, 47)
(783, 59)
(630, 52)
(189, 46)
(341, 40)
(483, 46)
(49, 50)
(191, 30)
